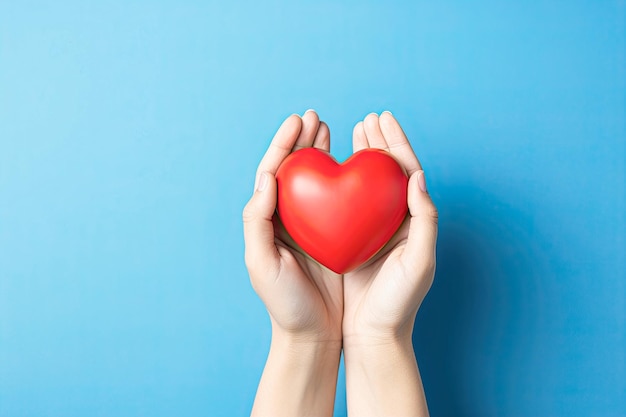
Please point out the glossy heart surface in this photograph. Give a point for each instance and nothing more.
(341, 214)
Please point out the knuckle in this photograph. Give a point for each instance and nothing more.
(433, 214)
(249, 261)
(430, 264)
(260, 271)
(254, 283)
(248, 213)
(253, 272)
(426, 264)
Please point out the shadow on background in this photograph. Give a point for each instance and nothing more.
(475, 334)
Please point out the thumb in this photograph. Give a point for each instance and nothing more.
(419, 253)
(258, 231)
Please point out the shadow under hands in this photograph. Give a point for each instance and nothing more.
(476, 330)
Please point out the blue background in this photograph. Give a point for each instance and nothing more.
(130, 132)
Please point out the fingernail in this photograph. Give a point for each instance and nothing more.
(387, 111)
(421, 181)
(309, 110)
(262, 182)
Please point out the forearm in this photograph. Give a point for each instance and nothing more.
(382, 379)
(299, 378)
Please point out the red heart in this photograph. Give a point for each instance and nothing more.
(341, 215)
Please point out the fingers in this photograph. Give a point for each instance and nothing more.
(359, 140)
(373, 133)
(258, 230)
(322, 138)
(310, 126)
(281, 145)
(419, 253)
(384, 132)
(313, 133)
(397, 143)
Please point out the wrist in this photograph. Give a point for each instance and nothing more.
(304, 343)
(303, 351)
(378, 348)
(327, 335)
(370, 338)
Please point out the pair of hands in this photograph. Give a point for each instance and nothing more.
(311, 306)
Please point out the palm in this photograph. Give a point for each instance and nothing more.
(376, 293)
(315, 293)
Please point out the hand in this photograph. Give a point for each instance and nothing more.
(381, 298)
(303, 298)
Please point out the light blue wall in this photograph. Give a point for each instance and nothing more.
(129, 135)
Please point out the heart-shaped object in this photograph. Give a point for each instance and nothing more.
(341, 214)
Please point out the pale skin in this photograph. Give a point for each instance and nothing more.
(315, 313)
